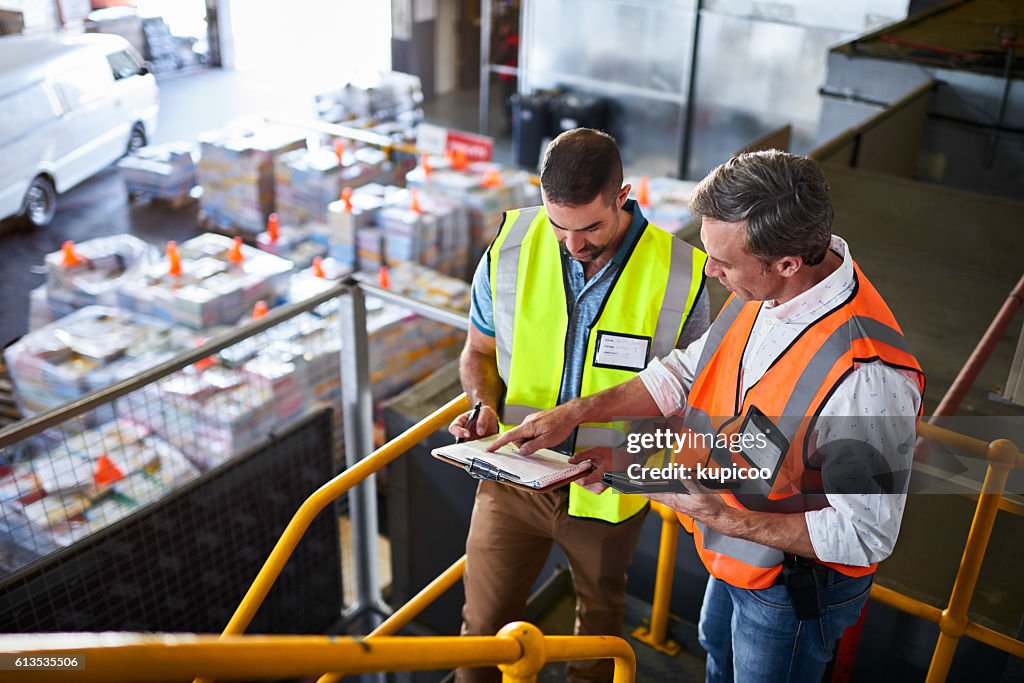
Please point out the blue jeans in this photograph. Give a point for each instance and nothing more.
(752, 636)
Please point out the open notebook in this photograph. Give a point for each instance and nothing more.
(543, 470)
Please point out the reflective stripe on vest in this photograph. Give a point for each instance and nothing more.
(654, 291)
(791, 393)
(503, 282)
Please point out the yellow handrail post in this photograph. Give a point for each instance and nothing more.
(1002, 456)
(410, 610)
(573, 648)
(321, 498)
(655, 634)
(534, 652)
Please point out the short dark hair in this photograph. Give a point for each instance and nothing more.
(783, 197)
(579, 165)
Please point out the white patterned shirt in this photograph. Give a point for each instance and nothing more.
(858, 528)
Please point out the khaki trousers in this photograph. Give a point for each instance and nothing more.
(510, 536)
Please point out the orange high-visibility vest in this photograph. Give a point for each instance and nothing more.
(790, 395)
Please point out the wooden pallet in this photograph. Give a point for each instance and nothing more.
(9, 412)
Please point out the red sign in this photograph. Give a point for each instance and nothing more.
(437, 140)
(475, 147)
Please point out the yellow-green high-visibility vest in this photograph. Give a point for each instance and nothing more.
(640, 319)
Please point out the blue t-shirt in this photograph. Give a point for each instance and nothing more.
(587, 298)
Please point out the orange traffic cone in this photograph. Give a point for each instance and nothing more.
(492, 179)
(414, 201)
(273, 228)
(106, 471)
(69, 257)
(384, 278)
(203, 363)
(318, 267)
(643, 191)
(259, 310)
(346, 196)
(339, 149)
(425, 163)
(235, 252)
(174, 259)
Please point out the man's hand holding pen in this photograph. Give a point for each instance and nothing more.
(475, 424)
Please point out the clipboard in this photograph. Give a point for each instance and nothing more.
(560, 474)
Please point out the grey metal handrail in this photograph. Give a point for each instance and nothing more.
(827, 149)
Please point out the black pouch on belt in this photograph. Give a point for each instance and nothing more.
(802, 586)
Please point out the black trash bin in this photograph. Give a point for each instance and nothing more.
(580, 110)
(531, 125)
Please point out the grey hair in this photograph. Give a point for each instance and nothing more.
(783, 198)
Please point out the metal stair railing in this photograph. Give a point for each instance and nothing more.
(953, 621)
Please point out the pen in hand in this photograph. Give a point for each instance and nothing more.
(471, 422)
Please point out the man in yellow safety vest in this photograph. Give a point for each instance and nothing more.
(572, 297)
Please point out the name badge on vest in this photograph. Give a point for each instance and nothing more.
(621, 351)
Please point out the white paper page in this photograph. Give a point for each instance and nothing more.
(543, 467)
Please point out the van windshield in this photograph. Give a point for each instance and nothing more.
(122, 65)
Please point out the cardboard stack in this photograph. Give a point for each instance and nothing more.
(486, 190)
(236, 171)
(306, 182)
(425, 228)
(225, 403)
(300, 245)
(386, 96)
(86, 274)
(354, 240)
(214, 288)
(87, 350)
(209, 414)
(430, 287)
(165, 171)
(82, 484)
(665, 202)
(405, 348)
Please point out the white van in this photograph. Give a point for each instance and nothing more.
(69, 107)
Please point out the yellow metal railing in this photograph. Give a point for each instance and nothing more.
(1002, 456)
(326, 495)
(411, 609)
(519, 650)
(536, 648)
(655, 633)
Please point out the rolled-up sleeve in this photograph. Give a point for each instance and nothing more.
(668, 379)
(877, 405)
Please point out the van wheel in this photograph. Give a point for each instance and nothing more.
(40, 203)
(137, 139)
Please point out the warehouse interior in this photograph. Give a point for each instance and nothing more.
(159, 442)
